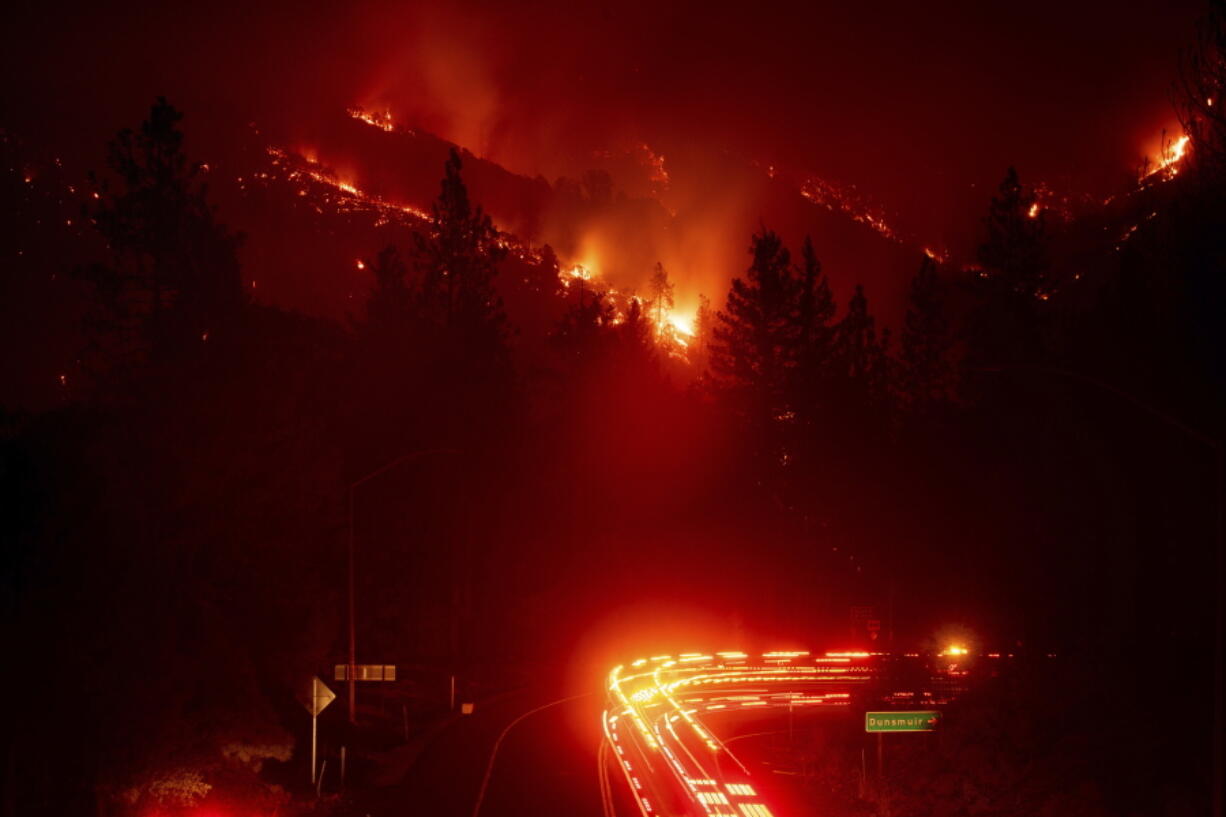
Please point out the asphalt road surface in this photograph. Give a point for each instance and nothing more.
(546, 763)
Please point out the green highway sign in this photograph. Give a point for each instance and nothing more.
(912, 721)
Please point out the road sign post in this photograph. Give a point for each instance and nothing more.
(878, 723)
(924, 720)
(365, 672)
(315, 697)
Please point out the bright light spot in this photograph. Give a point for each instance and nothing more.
(1172, 155)
(382, 121)
(755, 810)
(361, 264)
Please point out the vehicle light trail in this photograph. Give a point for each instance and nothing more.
(673, 759)
(673, 762)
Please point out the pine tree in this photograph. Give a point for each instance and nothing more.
(174, 276)
(636, 352)
(817, 306)
(926, 342)
(583, 336)
(1014, 255)
(1202, 96)
(545, 274)
(457, 262)
(816, 334)
(861, 360)
(661, 300)
(389, 307)
(754, 350)
(1005, 327)
(700, 342)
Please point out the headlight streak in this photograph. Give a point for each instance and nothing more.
(650, 697)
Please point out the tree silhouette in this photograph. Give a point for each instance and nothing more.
(861, 371)
(545, 278)
(660, 290)
(755, 344)
(635, 349)
(700, 342)
(456, 260)
(1013, 283)
(1202, 83)
(389, 307)
(926, 342)
(174, 276)
(583, 336)
(816, 336)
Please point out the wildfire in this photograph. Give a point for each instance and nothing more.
(846, 200)
(655, 162)
(300, 169)
(382, 121)
(578, 272)
(1172, 154)
(319, 186)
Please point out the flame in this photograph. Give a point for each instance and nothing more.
(299, 168)
(682, 324)
(578, 272)
(320, 185)
(847, 200)
(655, 162)
(1172, 154)
(382, 121)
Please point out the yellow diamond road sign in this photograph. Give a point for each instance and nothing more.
(316, 696)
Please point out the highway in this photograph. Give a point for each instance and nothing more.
(662, 746)
(665, 715)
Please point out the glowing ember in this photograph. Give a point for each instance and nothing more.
(655, 162)
(382, 121)
(577, 272)
(1172, 154)
(846, 200)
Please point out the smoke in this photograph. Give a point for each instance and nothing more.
(920, 106)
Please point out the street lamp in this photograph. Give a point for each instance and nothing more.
(1218, 757)
(353, 486)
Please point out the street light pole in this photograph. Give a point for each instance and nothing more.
(353, 486)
